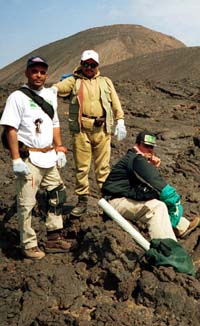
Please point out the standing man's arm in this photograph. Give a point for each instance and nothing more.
(60, 149)
(19, 166)
(64, 87)
(116, 105)
(13, 142)
(120, 130)
(57, 136)
(57, 139)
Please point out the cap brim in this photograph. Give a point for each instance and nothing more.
(37, 63)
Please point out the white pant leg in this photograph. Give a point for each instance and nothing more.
(27, 187)
(182, 225)
(152, 212)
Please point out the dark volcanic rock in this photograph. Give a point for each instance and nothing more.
(105, 280)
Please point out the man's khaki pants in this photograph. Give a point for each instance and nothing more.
(27, 188)
(88, 145)
(153, 212)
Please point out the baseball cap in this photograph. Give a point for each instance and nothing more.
(146, 137)
(36, 60)
(90, 54)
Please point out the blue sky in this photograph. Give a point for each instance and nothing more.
(26, 25)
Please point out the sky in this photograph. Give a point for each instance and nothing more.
(26, 25)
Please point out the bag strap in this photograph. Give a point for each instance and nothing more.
(46, 107)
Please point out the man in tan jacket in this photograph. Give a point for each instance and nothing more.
(94, 104)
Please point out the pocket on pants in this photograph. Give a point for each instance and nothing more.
(25, 190)
(87, 123)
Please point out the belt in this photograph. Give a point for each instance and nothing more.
(43, 150)
(92, 117)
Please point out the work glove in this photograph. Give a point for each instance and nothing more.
(61, 160)
(173, 201)
(120, 130)
(20, 168)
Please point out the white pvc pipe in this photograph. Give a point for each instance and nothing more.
(111, 212)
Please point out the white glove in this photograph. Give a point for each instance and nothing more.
(61, 160)
(120, 130)
(20, 168)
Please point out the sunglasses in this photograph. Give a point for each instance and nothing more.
(86, 64)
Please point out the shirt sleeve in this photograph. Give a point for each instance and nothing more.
(65, 86)
(13, 110)
(116, 105)
(148, 173)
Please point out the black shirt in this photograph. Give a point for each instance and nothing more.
(133, 177)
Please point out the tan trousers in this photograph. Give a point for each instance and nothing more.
(27, 188)
(153, 212)
(88, 145)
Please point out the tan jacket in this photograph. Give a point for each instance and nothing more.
(91, 100)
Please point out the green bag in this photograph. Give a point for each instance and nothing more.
(168, 252)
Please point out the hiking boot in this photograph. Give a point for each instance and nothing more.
(33, 253)
(81, 207)
(192, 226)
(57, 243)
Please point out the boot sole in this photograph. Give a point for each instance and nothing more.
(75, 215)
(186, 233)
(78, 215)
(34, 258)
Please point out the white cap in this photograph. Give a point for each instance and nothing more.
(90, 54)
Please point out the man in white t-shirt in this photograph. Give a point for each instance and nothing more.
(28, 127)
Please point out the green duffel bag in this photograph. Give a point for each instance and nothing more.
(167, 252)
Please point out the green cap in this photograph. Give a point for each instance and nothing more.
(146, 137)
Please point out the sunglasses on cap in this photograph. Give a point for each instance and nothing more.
(86, 64)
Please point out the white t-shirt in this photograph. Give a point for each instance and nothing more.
(34, 126)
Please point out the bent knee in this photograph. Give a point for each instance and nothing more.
(156, 204)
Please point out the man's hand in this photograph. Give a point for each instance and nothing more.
(155, 160)
(120, 130)
(61, 159)
(20, 168)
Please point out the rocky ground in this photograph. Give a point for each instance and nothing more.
(105, 281)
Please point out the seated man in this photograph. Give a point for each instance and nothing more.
(136, 189)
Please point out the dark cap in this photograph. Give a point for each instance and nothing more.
(146, 137)
(36, 60)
